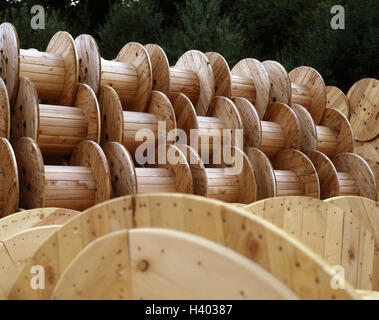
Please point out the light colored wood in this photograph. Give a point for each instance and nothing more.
(185, 81)
(157, 267)
(254, 70)
(221, 73)
(308, 90)
(5, 111)
(339, 236)
(337, 100)
(359, 169)
(289, 261)
(363, 99)
(308, 127)
(280, 82)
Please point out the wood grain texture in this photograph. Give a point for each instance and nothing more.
(280, 82)
(221, 73)
(5, 111)
(337, 100)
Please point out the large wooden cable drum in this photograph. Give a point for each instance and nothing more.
(81, 184)
(5, 111)
(129, 74)
(53, 72)
(248, 79)
(56, 129)
(337, 100)
(191, 75)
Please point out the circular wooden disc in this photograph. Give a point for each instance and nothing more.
(221, 73)
(9, 58)
(5, 111)
(112, 117)
(364, 105)
(185, 115)
(251, 123)
(286, 117)
(327, 174)
(254, 70)
(359, 170)
(31, 171)
(337, 100)
(89, 61)
(122, 171)
(9, 181)
(298, 162)
(160, 67)
(62, 44)
(308, 127)
(25, 112)
(336, 120)
(161, 107)
(135, 54)
(310, 78)
(280, 82)
(264, 173)
(89, 154)
(224, 109)
(197, 62)
(86, 100)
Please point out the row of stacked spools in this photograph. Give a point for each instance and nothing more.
(73, 121)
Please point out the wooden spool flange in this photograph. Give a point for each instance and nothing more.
(192, 75)
(85, 182)
(56, 129)
(333, 135)
(130, 74)
(54, 72)
(9, 188)
(5, 118)
(337, 100)
(248, 79)
(233, 185)
(210, 132)
(122, 126)
(364, 109)
(289, 173)
(128, 179)
(280, 128)
(356, 179)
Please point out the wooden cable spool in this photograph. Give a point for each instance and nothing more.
(85, 182)
(364, 105)
(9, 183)
(207, 133)
(56, 129)
(230, 184)
(122, 126)
(280, 128)
(248, 79)
(129, 74)
(289, 173)
(191, 75)
(54, 72)
(343, 174)
(5, 118)
(337, 100)
(332, 136)
(166, 177)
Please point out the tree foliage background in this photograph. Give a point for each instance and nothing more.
(294, 32)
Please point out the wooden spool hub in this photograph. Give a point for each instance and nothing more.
(248, 79)
(5, 118)
(289, 173)
(337, 100)
(122, 126)
(85, 182)
(364, 104)
(280, 128)
(56, 129)
(357, 179)
(333, 135)
(128, 179)
(230, 184)
(54, 72)
(308, 90)
(212, 131)
(192, 75)
(130, 74)
(9, 188)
